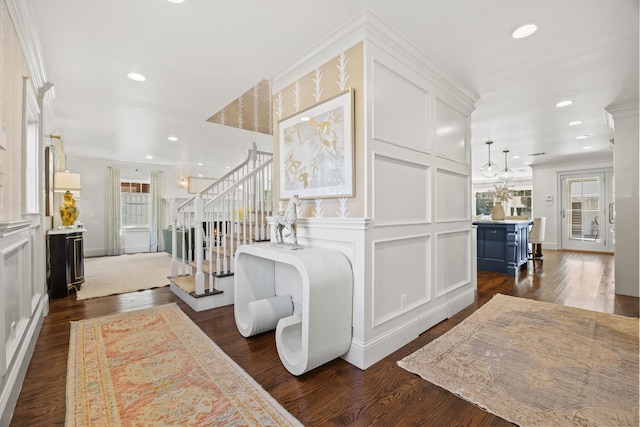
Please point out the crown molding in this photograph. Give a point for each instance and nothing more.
(367, 26)
(344, 37)
(24, 23)
(619, 111)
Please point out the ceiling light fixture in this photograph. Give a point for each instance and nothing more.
(506, 174)
(172, 138)
(176, 1)
(564, 103)
(149, 156)
(582, 136)
(136, 77)
(200, 163)
(524, 31)
(489, 169)
(575, 123)
(587, 148)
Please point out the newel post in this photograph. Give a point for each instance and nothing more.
(197, 244)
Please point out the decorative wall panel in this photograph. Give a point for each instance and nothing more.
(324, 82)
(251, 111)
(401, 190)
(13, 67)
(400, 275)
(453, 250)
(450, 133)
(400, 110)
(452, 196)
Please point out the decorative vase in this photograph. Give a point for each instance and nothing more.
(68, 210)
(497, 213)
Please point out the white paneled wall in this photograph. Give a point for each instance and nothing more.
(23, 304)
(413, 252)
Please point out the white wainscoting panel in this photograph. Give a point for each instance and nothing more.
(400, 110)
(401, 278)
(453, 250)
(453, 196)
(451, 133)
(23, 302)
(401, 190)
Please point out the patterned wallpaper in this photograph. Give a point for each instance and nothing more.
(343, 72)
(251, 111)
(13, 67)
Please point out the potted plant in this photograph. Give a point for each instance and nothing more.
(501, 194)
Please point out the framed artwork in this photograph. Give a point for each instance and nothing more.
(197, 185)
(316, 150)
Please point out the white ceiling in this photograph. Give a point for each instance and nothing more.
(202, 54)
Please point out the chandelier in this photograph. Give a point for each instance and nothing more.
(489, 169)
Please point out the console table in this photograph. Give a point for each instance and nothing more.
(65, 261)
(502, 245)
(305, 294)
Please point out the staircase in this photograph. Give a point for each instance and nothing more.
(231, 212)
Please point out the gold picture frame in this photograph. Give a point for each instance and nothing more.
(316, 150)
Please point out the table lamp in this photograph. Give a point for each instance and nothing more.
(67, 182)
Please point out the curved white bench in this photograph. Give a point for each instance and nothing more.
(305, 294)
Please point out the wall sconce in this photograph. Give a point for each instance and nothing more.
(67, 182)
(182, 182)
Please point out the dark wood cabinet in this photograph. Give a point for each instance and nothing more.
(502, 245)
(65, 261)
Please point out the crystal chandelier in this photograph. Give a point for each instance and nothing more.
(489, 169)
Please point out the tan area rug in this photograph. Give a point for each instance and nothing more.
(111, 275)
(155, 367)
(539, 364)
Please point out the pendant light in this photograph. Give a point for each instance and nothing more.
(489, 169)
(506, 174)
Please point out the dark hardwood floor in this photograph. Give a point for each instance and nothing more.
(335, 394)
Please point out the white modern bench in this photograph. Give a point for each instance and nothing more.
(305, 295)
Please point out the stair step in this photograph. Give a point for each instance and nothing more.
(188, 284)
(206, 271)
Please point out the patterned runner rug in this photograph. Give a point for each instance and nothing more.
(156, 367)
(538, 364)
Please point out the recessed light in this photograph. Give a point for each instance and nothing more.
(227, 166)
(172, 138)
(587, 148)
(524, 31)
(200, 163)
(582, 136)
(575, 123)
(516, 157)
(199, 175)
(526, 163)
(305, 119)
(176, 1)
(136, 77)
(149, 156)
(564, 103)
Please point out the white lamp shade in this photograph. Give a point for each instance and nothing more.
(67, 181)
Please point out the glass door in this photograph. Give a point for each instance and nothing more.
(587, 211)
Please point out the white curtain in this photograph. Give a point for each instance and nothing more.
(114, 243)
(156, 242)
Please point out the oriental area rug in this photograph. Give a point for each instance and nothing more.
(155, 367)
(538, 364)
(113, 275)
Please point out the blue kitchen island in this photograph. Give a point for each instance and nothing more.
(503, 245)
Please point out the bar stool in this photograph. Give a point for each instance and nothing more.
(536, 237)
